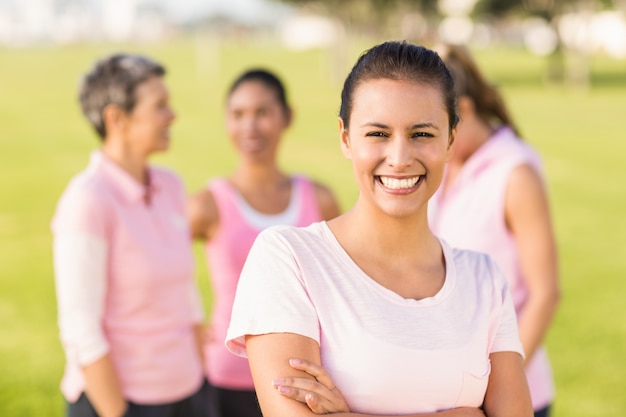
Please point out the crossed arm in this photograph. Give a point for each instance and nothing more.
(286, 367)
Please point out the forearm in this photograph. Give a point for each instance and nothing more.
(199, 332)
(456, 412)
(535, 321)
(103, 388)
(507, 392)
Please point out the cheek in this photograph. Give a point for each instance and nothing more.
(275, 125)
(232, 127)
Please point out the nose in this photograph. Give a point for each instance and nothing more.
(249, 123)
(399, 153)
(171, 114)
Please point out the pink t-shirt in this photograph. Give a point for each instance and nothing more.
(226, 253)
(124, 273)
(387, 354)
(470, 215)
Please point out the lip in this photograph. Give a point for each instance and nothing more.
(398, 190)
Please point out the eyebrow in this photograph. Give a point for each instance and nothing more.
(415, 126)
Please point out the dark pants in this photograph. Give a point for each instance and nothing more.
(237, 403)
(544, 412)
(200, 404)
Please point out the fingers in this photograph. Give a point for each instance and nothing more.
(305, 385)
(291, 392)
(319, 394)
(314, 394)
(314, 370)
(316, 403)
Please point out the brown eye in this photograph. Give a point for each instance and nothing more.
(417, 135)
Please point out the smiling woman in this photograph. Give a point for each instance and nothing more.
(397, 149)
(382, 316)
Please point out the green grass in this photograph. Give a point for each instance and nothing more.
(44, 141)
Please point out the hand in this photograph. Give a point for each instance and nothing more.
(471, 412)
(320, 395)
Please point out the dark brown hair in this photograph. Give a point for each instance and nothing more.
(470, 82)
(266, 78)
(397, 60)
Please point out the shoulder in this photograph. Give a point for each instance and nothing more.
(202, 213)
(85, 190)
(87, 200)
(202, 201)
(328, 204)
(511, 150)
(292, 236)
(476, 266)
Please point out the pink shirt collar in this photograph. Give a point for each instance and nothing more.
(131, 189)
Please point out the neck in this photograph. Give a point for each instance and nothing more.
(258, 176)
(129, 161)
(477, 134)
(391, 237)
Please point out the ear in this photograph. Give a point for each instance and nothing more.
(345, 140)
(288, 116)
(114, 118)
(451, 144)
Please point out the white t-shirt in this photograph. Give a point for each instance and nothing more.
(387, 354)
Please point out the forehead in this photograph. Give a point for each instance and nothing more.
(252, 92)
(397, 100)
(151, 88)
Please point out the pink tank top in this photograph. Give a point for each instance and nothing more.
(471, 216)
(226, 252)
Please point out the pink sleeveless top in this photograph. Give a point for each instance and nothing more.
(226, 252)
(471, 216)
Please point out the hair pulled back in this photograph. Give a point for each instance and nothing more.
(469, 82)
(402, 61)
(265, 77)
(114, 80)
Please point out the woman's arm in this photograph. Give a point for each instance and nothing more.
(103, 389)
(269, 357)
(507, 392)
(80, 277)
(202, 215)
(528, 217)
(329, 207)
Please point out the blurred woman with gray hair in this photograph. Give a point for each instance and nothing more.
(129, 310)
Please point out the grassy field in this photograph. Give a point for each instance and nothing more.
(44, 141)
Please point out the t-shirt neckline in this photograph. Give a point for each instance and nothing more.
(443, 293)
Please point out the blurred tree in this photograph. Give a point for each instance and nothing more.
(383, 18)
(370, 16)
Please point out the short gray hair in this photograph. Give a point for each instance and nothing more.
(114, 80)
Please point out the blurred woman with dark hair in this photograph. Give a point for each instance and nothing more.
(493, 199)
(231, 211)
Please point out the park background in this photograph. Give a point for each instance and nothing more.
(570, 103)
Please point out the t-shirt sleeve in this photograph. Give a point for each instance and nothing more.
(271, 295)
(504, 331)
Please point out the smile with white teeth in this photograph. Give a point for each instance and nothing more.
(399, 184)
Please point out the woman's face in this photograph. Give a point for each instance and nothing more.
(399, 141)
(147, 126)
(255, 120)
